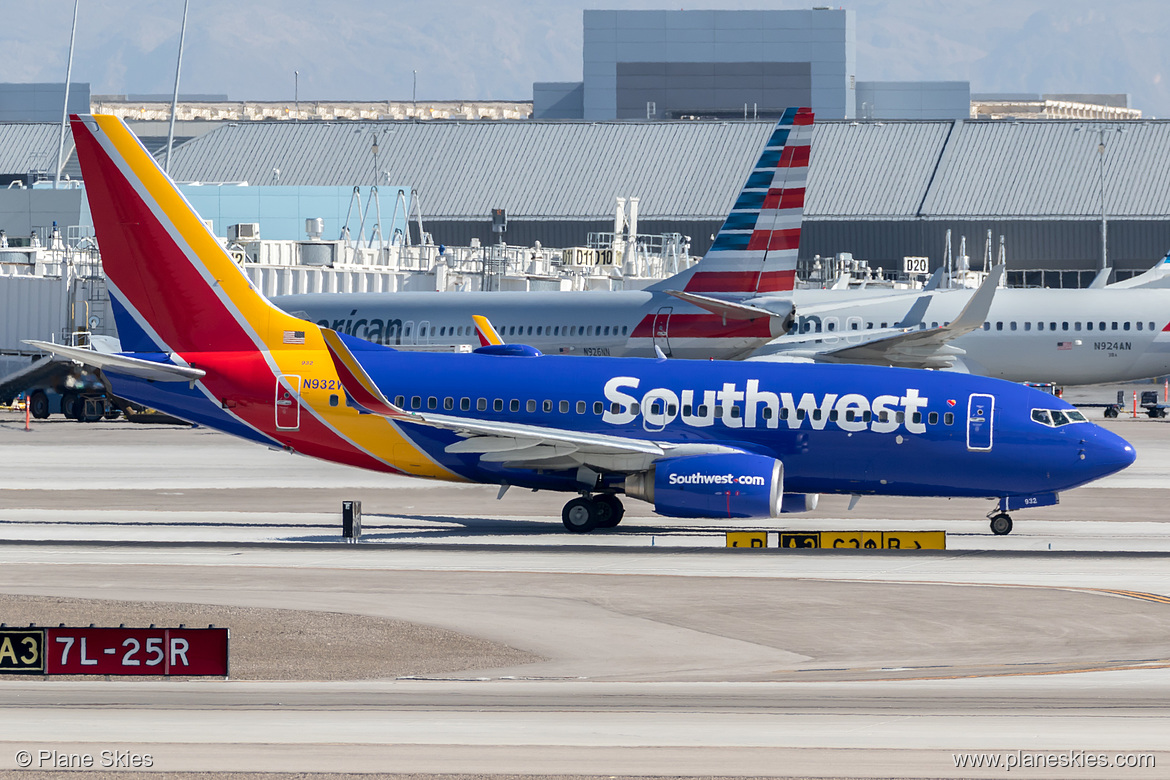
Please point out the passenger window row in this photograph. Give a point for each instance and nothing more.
(564, 330)
(656, 409)
(531, 330)
(813, 326)
(1075, 326)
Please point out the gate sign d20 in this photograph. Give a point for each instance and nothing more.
(145, 651)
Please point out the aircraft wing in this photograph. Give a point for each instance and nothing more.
(512, 444)
(122, 364)
(908, 348)
(1158, 276)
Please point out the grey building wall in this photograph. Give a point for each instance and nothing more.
(913, 99)
(31, 307)
(558, 100)
(41, 102)
(1134, 244)
(824, 40)
(738, 90)
(22, 210)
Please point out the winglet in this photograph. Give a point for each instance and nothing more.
(361, 389)
(1101, 280)
(1151, 277)
(487, 333)
(975, 312)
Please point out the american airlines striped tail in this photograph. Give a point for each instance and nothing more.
(756, 249)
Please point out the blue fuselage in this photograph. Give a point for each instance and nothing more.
(837, 429)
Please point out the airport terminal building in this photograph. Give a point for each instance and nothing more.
(881, 190)
(672, 109)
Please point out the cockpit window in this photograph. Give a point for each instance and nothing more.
(1055, 418)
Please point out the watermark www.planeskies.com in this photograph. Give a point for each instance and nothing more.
(1040, 759)
(103, 759)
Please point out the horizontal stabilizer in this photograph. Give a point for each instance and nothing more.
(729, 310)
(123, 364)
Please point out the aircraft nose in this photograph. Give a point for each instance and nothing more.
(1104, 452)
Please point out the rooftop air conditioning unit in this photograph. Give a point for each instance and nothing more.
(245, 231)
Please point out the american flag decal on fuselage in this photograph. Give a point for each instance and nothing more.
(756, 249)
(294, 337)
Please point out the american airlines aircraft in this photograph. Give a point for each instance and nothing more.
(1069, 337)
(693, 438)
(736, 296)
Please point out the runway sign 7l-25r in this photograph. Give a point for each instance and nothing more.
(115, 651)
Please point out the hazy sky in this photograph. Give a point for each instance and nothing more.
(366, 49)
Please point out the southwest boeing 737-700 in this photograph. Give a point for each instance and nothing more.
(693, 438)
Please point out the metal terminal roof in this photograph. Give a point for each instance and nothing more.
(693, 170)
(538, 170)
(872, 169)
(30, 146)
(1051, 169)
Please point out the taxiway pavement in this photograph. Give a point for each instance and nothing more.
(662, 652)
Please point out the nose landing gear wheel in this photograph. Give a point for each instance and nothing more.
(580, 515)
(1001, 524)
(611, 508)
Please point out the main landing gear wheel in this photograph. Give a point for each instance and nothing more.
(611, 508)
(581, 515)
(1001, 524)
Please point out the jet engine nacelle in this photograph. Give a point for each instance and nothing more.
(724, 485)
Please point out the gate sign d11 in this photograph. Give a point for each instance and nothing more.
(121, 651)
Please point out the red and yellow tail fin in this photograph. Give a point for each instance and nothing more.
(488, 336)
(166, 269)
